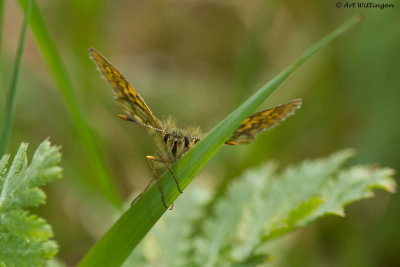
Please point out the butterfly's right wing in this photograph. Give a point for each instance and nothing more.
(127, 98)
(261, 121)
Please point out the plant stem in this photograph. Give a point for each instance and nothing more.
(10, 104)
(85, 133)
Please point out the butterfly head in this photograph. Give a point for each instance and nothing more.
(177, 143)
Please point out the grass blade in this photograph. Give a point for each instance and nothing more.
(134, 224)
(14, 81)
(59, 72)
(1, 39)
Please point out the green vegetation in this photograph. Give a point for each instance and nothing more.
(132, 228)
(199, 61)
(261, 205)
(59, 72)
(25, 237)
(13, 88)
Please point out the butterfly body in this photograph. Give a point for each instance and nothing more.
(173, 142)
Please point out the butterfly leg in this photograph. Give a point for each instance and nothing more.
(149, 158)
(147, 187)
(165, 161)
(155, 176)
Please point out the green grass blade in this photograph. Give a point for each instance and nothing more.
(59, 72)
(115, 246)
(14, 81)
(1, 40)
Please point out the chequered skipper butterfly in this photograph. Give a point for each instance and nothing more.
(174, 142)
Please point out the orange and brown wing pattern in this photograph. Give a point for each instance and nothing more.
(127, 98)
(261, 121)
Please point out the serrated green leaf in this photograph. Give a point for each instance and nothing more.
(259, 206)
(26, 226)
(269, 204)
(3, 169)
(21, 178)
(228, 211)
(351, 185)
(261, 202)
(24, 238)
(3, 164)
(295, 217)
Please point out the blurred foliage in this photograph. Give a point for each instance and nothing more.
(261, 205)
(197, 60)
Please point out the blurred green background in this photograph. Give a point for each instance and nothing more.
(198, 60)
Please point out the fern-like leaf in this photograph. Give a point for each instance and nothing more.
(261, 205)
(24, 238)
(269, 204)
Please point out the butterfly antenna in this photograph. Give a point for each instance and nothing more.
(126, 118)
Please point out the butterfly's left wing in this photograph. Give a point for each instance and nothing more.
(261, 121)
(127, 98)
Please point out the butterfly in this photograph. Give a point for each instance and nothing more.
(173, 142)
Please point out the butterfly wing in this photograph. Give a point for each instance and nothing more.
(261, 121)
(127, 98)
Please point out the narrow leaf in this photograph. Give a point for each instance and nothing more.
(134, 224)
(59, 72)
(10, 103)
